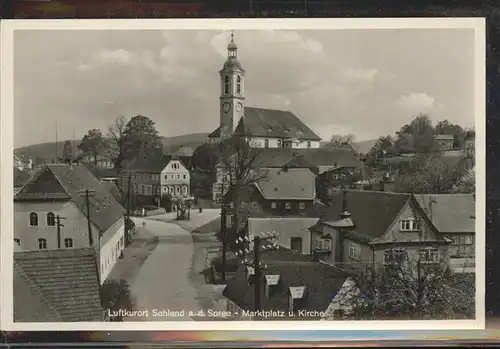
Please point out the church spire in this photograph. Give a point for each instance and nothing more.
(232, 48)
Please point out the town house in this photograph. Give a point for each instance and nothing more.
(280, 193)
(156, 175)
(292, 288)
(454, 217)
(318, 160)
(58, 190)
(360, 229)
(57, 286)
(444, 141)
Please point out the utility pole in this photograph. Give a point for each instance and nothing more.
(87, 193)
(256, 264)
(223, 228)
(127, 218)
(59, 225)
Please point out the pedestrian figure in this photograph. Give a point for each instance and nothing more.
(201, 210)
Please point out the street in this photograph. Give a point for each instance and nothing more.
(169, 283)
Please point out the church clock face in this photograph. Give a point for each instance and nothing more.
(238, 107)
(226, 107)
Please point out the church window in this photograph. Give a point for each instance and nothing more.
(226, 84)
(238, 85)
(266, 143)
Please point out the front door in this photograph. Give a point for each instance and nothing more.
(296, 244)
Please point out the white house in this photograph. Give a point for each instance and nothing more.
(58, 190)
(175, 178)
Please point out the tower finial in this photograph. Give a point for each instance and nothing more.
(232, 36)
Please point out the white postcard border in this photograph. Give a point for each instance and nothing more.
(8, 27)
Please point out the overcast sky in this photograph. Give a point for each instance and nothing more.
(365, 82)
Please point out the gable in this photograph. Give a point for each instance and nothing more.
(170, 166)
(394, 233)
(43, 185)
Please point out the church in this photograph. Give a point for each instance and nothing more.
(263, 128)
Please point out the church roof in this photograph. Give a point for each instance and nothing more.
(258, 122)
(232, 63)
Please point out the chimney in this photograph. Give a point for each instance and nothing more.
(345, 213)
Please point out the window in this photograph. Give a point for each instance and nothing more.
(288, 205)
(394, 256)
(17, 241)
(430, 255)
(33, 219)
(238, 84)
(184, 190)
(408, 224)
(354, 251)
(302, 205)
(184, 176)
(166, 177)
(296, 244)
(178, 176)
(177, 189)
(469, 240)
(280, 143)
(324, 244)
(42, 244)
(456, 240)
(266, 143)
(273, 204)
(309, 144)
(226, 85)
(171, 189)
(51, 219)
(68, 242)
(164, 189)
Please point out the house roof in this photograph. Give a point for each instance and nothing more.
(293, 184)
(372, 212)
(115, 191)
(62, 181)
(63, 282)
(154, 163)
(450, 213)
(272, 123)
(319, 157)
(281, 225)
(322, 282)
(20, 177)
(445, 136)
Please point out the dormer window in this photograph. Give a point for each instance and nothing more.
(408, 224)
(271, 283)
(296, 296)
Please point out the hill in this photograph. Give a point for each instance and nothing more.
(48, 150)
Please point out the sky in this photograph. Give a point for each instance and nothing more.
(367, 83)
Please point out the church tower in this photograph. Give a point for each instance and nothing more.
(232, 92)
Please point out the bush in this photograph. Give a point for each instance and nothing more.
(116, 295)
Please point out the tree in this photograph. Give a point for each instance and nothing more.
(417, 136)
(116, 142)
(204, 158)
(92, 145)
(140, 136)
(413, 290)
(431, 175)
(239, 165)
(344, 142)
(67, 151)
(379, 149)
(459, 134)
(116, 295)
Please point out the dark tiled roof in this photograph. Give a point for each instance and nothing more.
(211, 227)
(115, 191)
(273, 124)
(154, 163)
(64, 281)
(324, 157)
(322, 282)
(450, 213)
(372, 212)
(59, 181)
(293, 184)
(20, 177)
